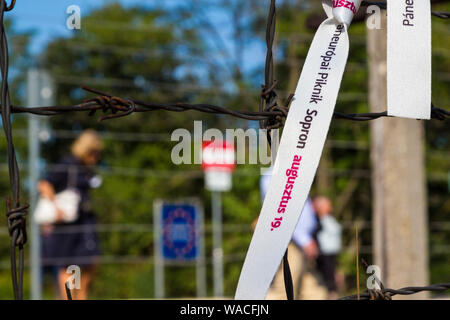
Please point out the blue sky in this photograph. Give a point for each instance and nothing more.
(47, 18)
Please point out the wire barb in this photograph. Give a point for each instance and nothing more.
(119, 107)
(387, 294)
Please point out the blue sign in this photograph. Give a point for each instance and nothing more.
(179, 232)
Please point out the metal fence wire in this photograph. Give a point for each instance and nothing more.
(271, 115)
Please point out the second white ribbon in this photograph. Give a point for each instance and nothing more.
(409, 59)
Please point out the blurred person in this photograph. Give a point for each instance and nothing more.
(80, 245)
(302, 253)
(328, 236)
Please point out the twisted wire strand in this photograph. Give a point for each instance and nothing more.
(386, 294)
(120, 107)
(269, 103)
(14, 211)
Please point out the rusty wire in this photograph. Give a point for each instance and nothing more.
(271, 115)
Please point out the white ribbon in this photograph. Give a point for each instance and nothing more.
(299, 152)
(409, 58)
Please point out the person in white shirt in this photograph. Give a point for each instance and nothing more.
(329, 241)
(302, 250)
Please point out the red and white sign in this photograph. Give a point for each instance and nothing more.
(218, 155)
(218, 162)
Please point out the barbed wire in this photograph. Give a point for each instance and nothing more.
(383, 293)
(271, 115)
(14, 211)
(387, 294)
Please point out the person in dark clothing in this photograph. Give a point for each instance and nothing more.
(73, 243)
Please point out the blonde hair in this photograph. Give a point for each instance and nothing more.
(88, 141)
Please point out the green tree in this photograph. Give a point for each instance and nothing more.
(157, 56)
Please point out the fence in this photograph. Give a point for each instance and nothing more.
(230, 231)
(270, 115)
